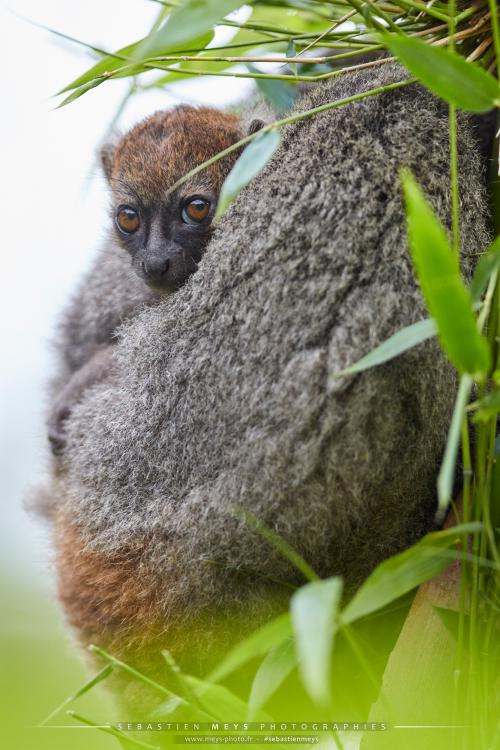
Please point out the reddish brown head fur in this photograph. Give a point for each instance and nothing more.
(163, 147)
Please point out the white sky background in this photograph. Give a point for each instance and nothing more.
(53, 217)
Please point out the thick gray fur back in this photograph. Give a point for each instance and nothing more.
(225, 394)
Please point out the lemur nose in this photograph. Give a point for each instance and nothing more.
(155, 267)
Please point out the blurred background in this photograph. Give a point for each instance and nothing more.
(56, 218)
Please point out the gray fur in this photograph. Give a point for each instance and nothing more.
(224, 395)
(109, 293)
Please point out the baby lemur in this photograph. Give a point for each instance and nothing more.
(160, 235)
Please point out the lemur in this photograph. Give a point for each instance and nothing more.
(160, 236)
(225, 398)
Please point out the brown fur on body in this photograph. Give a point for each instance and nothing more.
(113, 601)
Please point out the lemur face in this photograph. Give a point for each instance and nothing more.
(166, 233)
(166, 240)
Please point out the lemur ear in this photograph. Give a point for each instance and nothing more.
(107, 155)
(255, 125)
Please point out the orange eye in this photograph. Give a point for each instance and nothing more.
(195, 210)
(127, 220)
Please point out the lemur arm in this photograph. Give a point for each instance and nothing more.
(92, 372)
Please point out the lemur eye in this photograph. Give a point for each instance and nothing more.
(127, 220)
(195, 210)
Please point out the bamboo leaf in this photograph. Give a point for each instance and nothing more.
(108, 64)
(277, 541)
(95, 680)
(280, 95)
(274, 669)
(169, 707)
(218, 700)
(185, 23)
(488, 407)
(404, 572)
(77, 93)
(257, 644)
(450, 619)
(488, 264)
(446, 478)
(446, 73)
(482, 563)
(447, 298)
(314, 615)
(291, 51)
(395, 345)
(135, 673)
(129, 54)
(117, 59)
(253, 159)
(183, 688)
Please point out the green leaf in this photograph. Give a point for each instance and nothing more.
(495, 486)
(182, 687)
(169, 707)
(451, 620)
(95, 680)
(395, 345)
(77, 93)
(314, 615)
(404, 572)
(488, 264)
(208, 702)
(135, 673)
(116, 59)
(250, 163)
(129, 54)
(483, 563)
(446, 478)
(239, 45)
(274, 669)
(488, 407)
(281, 96)
(447, 298)
(291, 51)
(109, 63)
(217, 700)
(445, 73)
(185, 23)
(257, 644)
(277, 541)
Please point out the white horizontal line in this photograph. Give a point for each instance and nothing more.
(431, 726)
(74, 726)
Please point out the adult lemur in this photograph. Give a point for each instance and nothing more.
(161, 236)
(225, 395)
